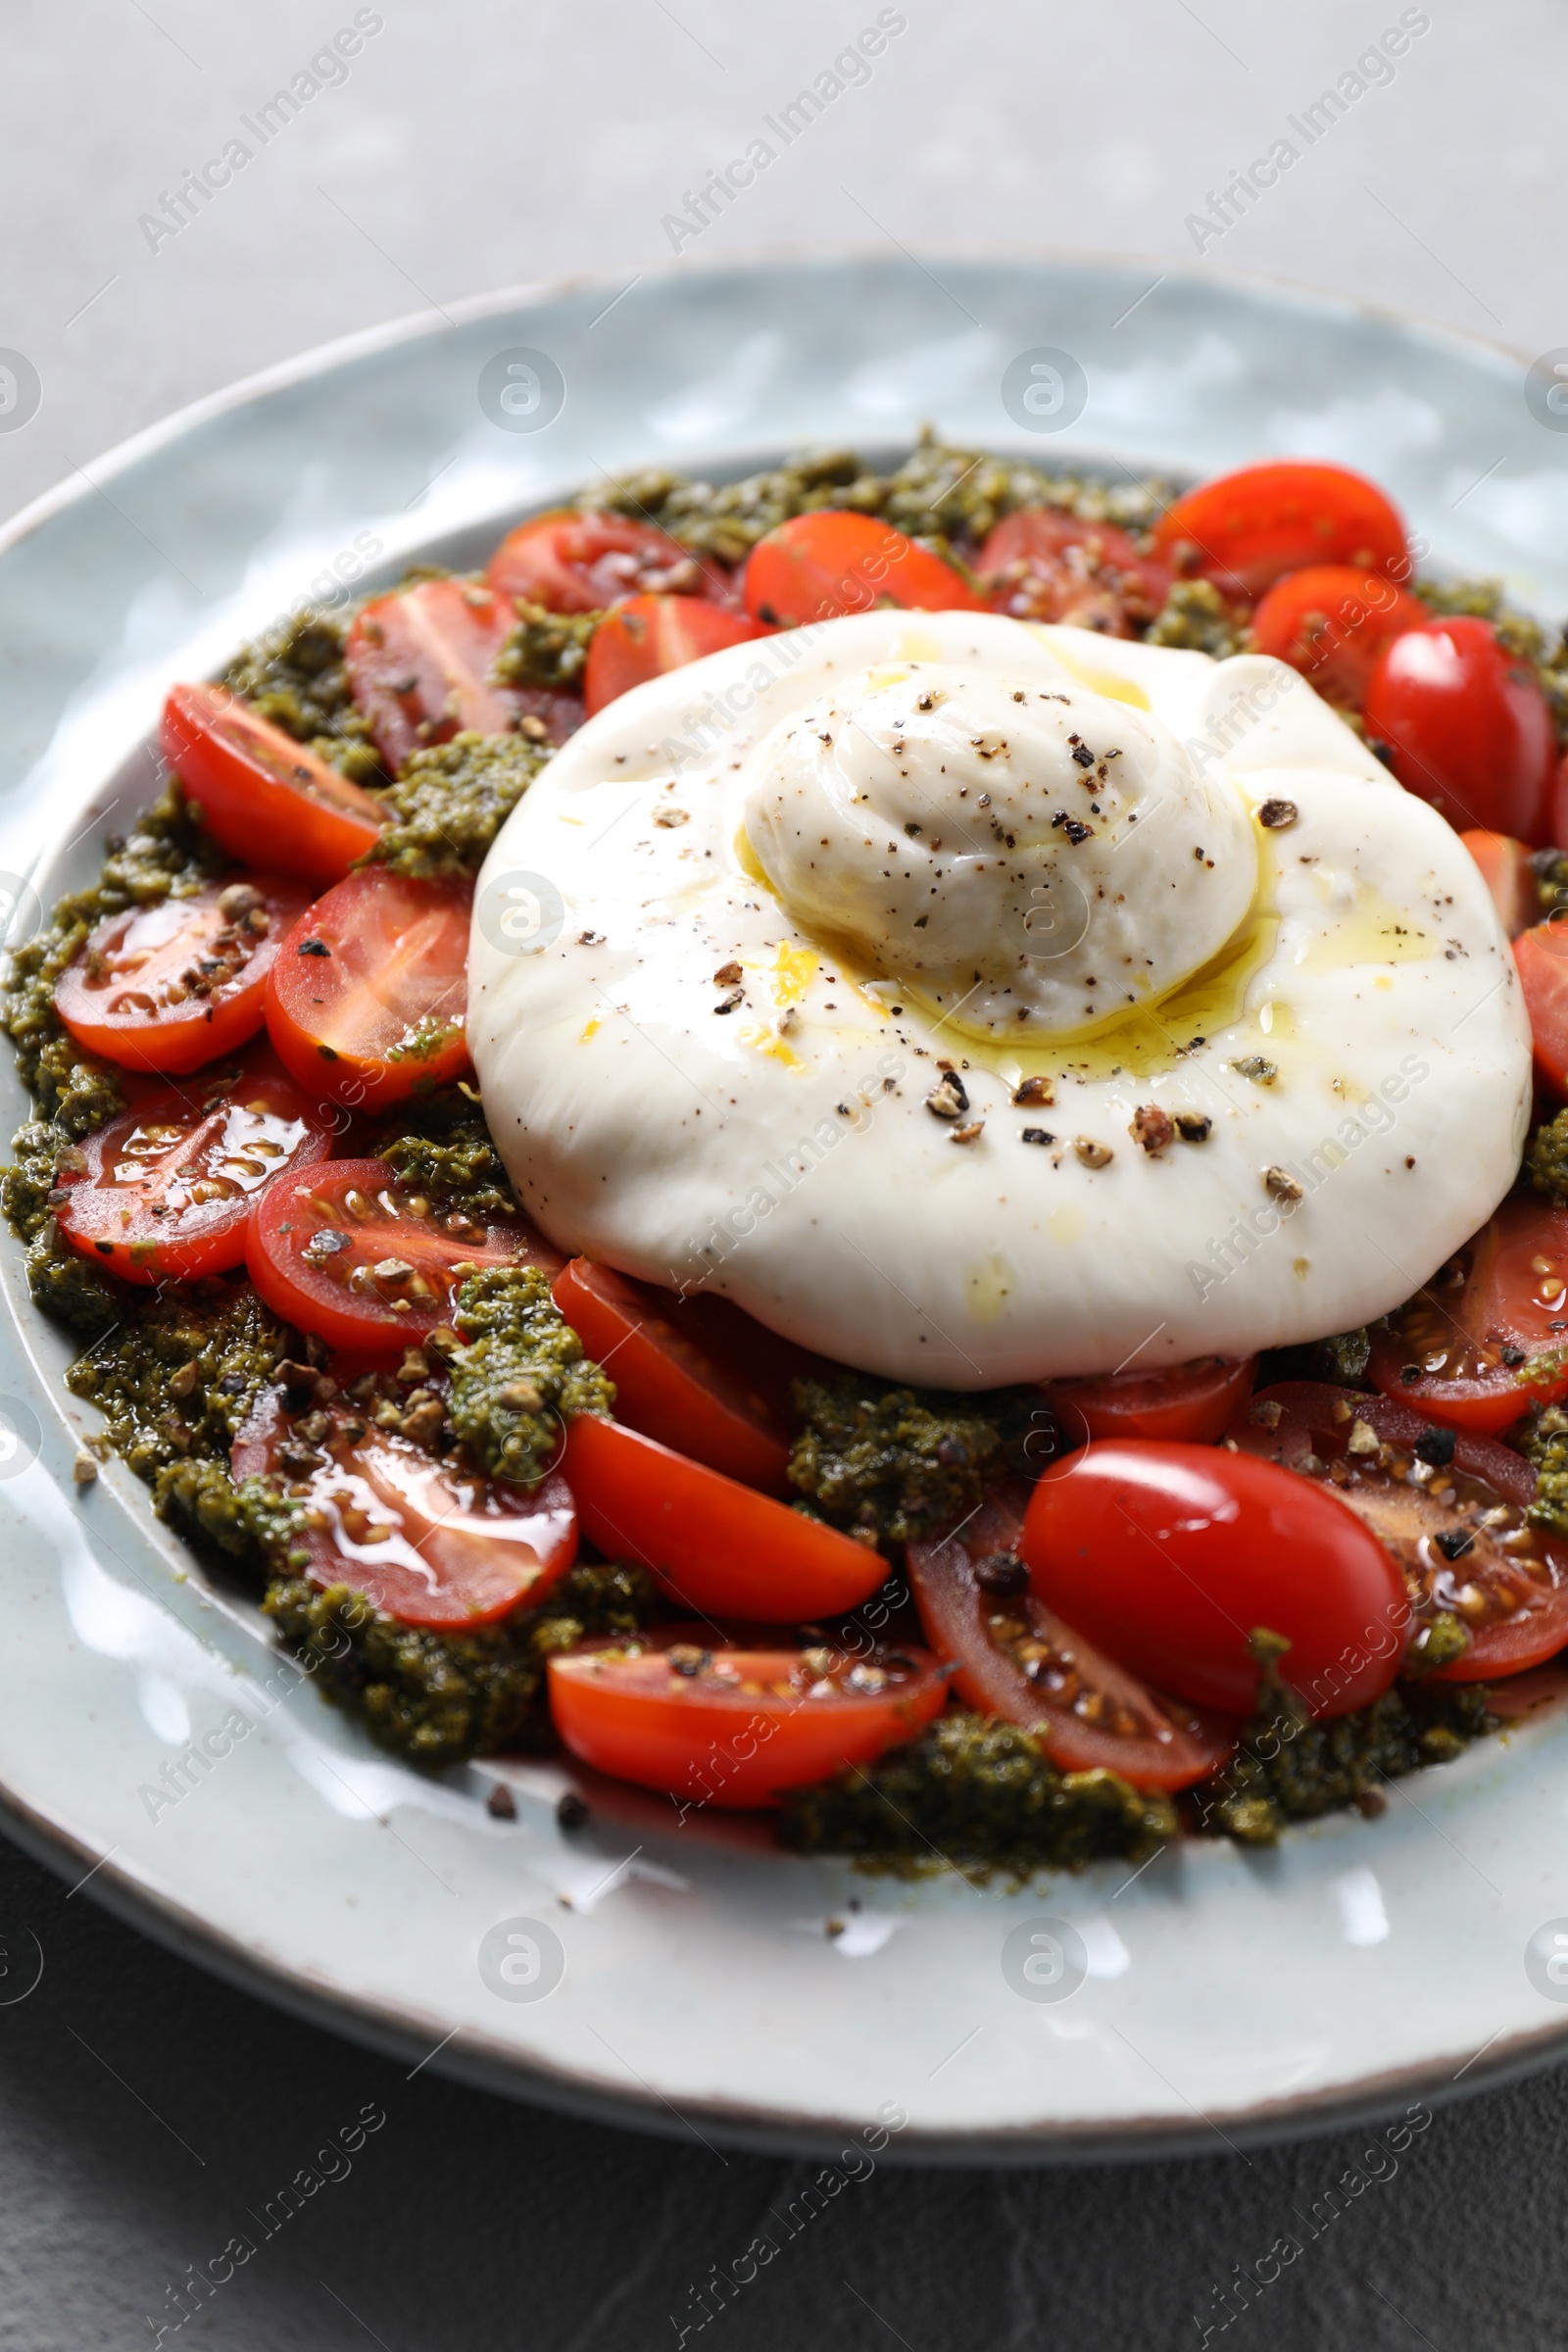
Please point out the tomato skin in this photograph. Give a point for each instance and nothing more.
(572, 561)
(818, 567)
(648, 635)
(1540, 957)
(257, 788)
(1467, 727)
(1509, 876)
(685, 1734)
(1253, 527)
(667, 1385)
(364, 1200)
(716, 1547)
(138, 1008)
(1166, 1746)
(420, 661)
(350, 1024)
(1331, 623)
(1041, 564)
(176, 1142)
(1191, 1400)
(1504, 1302)
(463, 1550)
(1169, 1555)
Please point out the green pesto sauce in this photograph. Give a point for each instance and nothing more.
(296, 676)
(451, 801)
(520, 1373)
(440, 1143)
(888, 1462)
(1547, 1160)
(546, 649)
(1195, 619)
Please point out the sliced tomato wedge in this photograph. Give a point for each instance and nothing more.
(648, 634)
(1247, 530)
(1041, 564)
(1331, 623)
(818, 567)
(1449, 1505)
(1541, 956)
(420, 659)
(1171, 1556)
(166, 1189)
(365, 1261)
(170, 987)
(573, 561)
(1510, 875)
(734, 1726)
(1016, 1658)
(1193, 1401)
(667, 1385)
(425, 1541)
(717, 1547)
(254, 787)
(1489, 1335)
(369, 996)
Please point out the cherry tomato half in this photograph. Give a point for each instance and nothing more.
(1041, 564)
(261, 794)
(369, 996)
(1170, 1555)
(816, 566)
(1506, 869)
(716, 1547)
(648, 634)
(1467, 727)
(1331, 623)
(427, 1542)
(734, 1726)
(420, 659)
(1253, 527)
(173, 986)
(365, 1261)
(1541, 956)
(167, 1188)
(1015, 1658)
(667, 1385)
(1489, 1335)
(1191, 1400)
(584, 563)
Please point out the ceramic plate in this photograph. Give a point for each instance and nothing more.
(693, 1979)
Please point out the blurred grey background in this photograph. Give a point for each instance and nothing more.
(471, 145)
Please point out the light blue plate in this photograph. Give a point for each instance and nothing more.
(704, 1981)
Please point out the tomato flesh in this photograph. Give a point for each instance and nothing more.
(1015, 1658)
(1170, 1555)
(170, 987)
(584, 563)
(1489, 1335)
(1467, 727)
(427, 1542)
(734, 1726)
(1247, 530)
(1041, 564)
(369, 996)
(1455, 1526)
(166, 1189)
(821, 566)
(1509, 876)
(716, 1546)
(1540, 957)
(1331, 623)
(366, 1262)
(256, 789)
(648, 635)
(420, 659)
(1193, 1401)
(667, 1385)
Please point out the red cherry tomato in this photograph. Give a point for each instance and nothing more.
(167, 1188)
(173, 986)
(1467, 727)
(1041, 564)
(1489, 1335)
(734, 1726)
(1509, 876)
(420, 659)
(1170, 1555)
(1016, 1658)
(1541, 956)
(667, 1385)
(261, 794)
(425, 1541)
(1191, 1400)
(717, 1547)
(364, 1261)
(368, 998)
(1455, 1525)
(1250, 527)
(1331, 623)
(816, 566)
(648, 634)
(584, 563)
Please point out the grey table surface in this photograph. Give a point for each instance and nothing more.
(474, 145)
